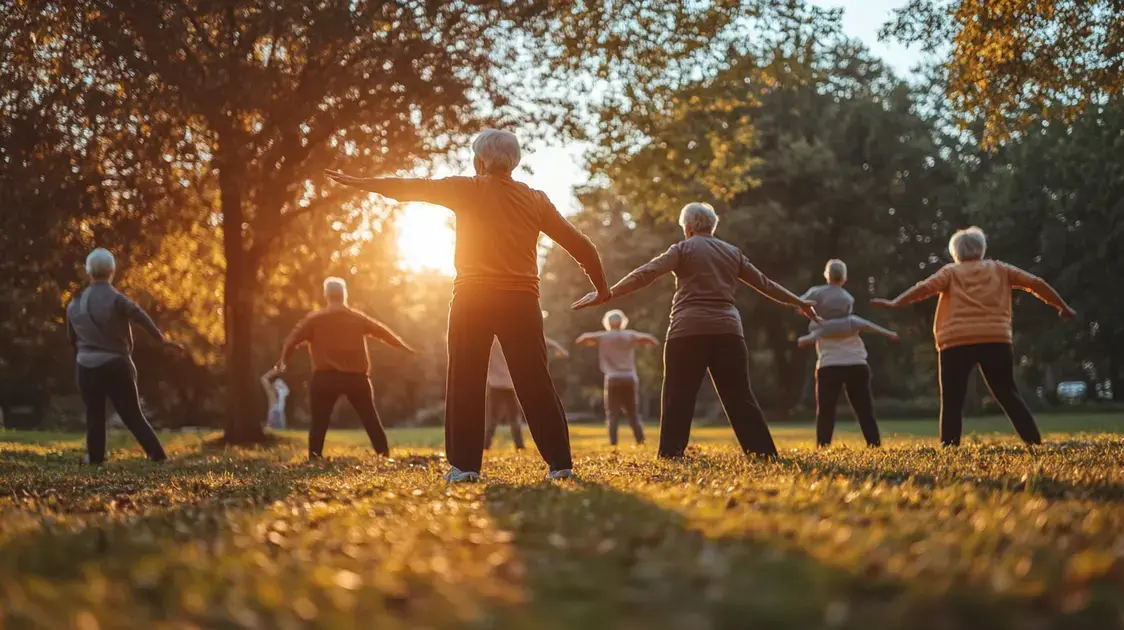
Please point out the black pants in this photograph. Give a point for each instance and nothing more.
(502, 407)
(997, 362)
(478, 315)
(685, 362)
(830, 381)
(325, 389)
(115, 381)
(621, 397)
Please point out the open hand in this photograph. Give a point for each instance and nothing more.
(882, 303)
(340, 178)
(593, 298)
(1067, 313)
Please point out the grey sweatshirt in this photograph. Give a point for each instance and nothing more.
(98, 325)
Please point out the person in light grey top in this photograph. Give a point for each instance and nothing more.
(616, 350)
(99, 325)
(706, 330)
(835, 305)
(841, 356)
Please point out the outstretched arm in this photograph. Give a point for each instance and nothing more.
(867, 326)
(641, 277)
(587, 339)
(923, 290)
(377, 330)
(137, 315)
(644, 339)
(578, 246)
(1040, 289)
(301, 333)
(442, 192)
(753, 277)
(559, 351)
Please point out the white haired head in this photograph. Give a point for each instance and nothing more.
(100, 264)
(699, 218)
(335, 290)
(835, 271)
(615, 320)
(967, 245)
(496, 152)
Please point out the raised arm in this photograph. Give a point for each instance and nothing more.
(376, 329)
(923, 290)
(1039, 288)
(577, 245)
(443, 192)
(753, 277)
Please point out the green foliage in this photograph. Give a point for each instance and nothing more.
(909, 536)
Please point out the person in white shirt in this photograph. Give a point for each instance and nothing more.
(501, 406)
(616, 349)
(277, 392)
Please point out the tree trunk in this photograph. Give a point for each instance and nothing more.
(242, 421)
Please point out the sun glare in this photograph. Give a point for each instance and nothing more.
(426, 238)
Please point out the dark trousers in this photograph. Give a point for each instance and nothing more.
(327, 388)
(115, 381)
(830, 382)
(621, 397)
(502, 407)
(476, 316)
(685, 362)
(997, 362)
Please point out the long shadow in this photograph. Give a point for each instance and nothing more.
(597, 557)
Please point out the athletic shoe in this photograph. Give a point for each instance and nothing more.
(456, 475)
(564, 473)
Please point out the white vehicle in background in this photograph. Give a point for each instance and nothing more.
(1072, 392)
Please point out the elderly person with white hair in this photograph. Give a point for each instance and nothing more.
(841, 356)
(99, 325)
(706, 331)
(972, 328)
(337, 342)
(616, 349)
(496, 294)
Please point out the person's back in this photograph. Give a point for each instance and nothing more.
(100, 320)
(337, 339)
(616, 353)
(706, 283)
(975, 303)
(832, 301)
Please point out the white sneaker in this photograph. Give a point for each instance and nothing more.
(456, 475)
(565, 473)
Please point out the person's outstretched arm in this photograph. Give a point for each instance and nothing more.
(578, 246)
(644, 339)
(138, 316)
(753, 277)
(923, 290)
(587, 339)
(376, 329)
(640, 277)
(1039, 288)
(866, 326)
(441, 192)
(301, 333)
(559, 351)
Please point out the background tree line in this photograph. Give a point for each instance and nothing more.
(188, 138)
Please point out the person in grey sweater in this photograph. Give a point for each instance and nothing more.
(99, 325)
(835, 304)
(706, 330)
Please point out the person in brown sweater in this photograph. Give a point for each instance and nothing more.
(706, 331)
(973, 327)
(496, 294)
(337, 342)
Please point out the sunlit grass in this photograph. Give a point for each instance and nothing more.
(909, 536)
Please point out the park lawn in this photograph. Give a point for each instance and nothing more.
(910, 536)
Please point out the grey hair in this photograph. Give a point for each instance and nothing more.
(699, 217)
(498, 150)
(969, 244)
(835, 271)
(100, 264)
(335, 290)
(605, 321)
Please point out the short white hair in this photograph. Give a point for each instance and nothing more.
(615, 313)
(969, 244)
(100, 264)
(498, 150)
(835, 271)
(335, 289)
(699, 217)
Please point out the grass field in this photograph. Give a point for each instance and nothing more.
(909, 536)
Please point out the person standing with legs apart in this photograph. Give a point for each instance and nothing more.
(616, 352)
(276, 392)
(337, 342)
(99, 325)
(502, 405)
(973, 327)
(706, 331)
(496, 294)
(841, 358)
